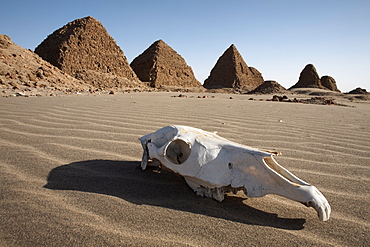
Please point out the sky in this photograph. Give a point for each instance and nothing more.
(277, 37)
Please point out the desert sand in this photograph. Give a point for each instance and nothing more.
(70, 172)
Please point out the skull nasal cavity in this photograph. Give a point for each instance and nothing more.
(178, 151)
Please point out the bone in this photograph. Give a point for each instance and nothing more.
(213, 166)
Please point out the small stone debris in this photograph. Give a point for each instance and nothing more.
(313, 100)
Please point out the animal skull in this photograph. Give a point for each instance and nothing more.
(213, 166)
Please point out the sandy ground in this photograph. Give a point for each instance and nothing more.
(70, 176)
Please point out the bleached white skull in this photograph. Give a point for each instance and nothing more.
(213, 166)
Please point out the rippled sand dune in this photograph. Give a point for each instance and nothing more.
(70, 176)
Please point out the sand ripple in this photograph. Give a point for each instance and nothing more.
(69, 173)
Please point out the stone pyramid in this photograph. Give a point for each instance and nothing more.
(231, 71)
(160, 65)
(84, 49)
(309, 78)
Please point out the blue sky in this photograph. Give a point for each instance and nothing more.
(278, 37)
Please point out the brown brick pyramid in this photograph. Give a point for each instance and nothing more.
(84, 49)
(309, 78)
(231, 71)
(160, 65)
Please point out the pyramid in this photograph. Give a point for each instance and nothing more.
(231, 71)
(84, 49)
(22, 69)
(309, 78)
(160, 65)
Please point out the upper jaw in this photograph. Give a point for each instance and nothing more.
(320, 204)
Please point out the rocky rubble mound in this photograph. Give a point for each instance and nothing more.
(358, 91)
(22, 71)
(358, 94)
(231, 71)
(309, 78)
(84, 49)
(160, 65)
(269, 87)
(313, 100)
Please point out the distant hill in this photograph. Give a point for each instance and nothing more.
(23, 69)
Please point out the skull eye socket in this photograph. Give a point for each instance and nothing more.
(178, 151)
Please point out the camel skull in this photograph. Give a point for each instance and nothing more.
(213, 166)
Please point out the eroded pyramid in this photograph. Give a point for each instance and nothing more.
(160, 65)
(231, 71)
(84, 49)
(329, 83)
(309, 78)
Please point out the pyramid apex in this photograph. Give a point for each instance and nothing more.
(85, 20)
(232, 48)
(310, 66)
(159, 42)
